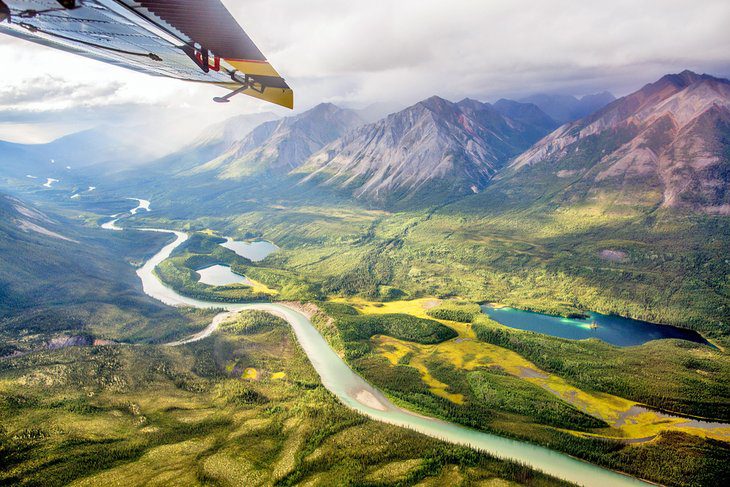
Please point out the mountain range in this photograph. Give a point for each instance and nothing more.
(665, 145)
(435, 148)
(568, 108)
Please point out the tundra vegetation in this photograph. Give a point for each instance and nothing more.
(190, 415)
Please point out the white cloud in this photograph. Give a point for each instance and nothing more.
(409, 49)
(52, 93)
(359, 53)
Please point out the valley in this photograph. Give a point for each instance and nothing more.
(381, 259)
(166, 415)
(631, 422)
(353, 392)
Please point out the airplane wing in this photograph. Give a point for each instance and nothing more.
(192, 40)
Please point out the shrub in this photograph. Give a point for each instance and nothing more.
(253, 321)
(462, 311)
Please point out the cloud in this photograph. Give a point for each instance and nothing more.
(52, 93)
(381, 51)
(407, 50)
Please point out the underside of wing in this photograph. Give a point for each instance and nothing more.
(193, 40)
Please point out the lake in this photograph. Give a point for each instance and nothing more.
(253, 251)
(623, 332)
(220, 275)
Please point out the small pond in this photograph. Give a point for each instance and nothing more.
(220, 275)
(253, 251)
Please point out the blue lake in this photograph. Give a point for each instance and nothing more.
(254, 251)
(623, 332)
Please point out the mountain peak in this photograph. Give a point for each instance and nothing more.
(432, 150)
(322, 108)
(683, 79)
(568, 108)
(472, 104)
(686, 78)
(528, 113)
(435, 103)
(602, 94)
(508, 107)
(667, 136)
(598, 99)
(328, 104)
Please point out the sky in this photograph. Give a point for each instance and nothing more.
(384, 52)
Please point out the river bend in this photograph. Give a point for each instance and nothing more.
(353, 391)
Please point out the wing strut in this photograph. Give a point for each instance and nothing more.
(247, 83)
(227, 98)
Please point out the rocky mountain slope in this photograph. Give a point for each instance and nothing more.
(667, 144)
(278, 146)
(433, 149)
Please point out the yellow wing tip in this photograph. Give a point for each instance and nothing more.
(260, 68)
(279, 96)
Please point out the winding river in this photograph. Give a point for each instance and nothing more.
(353, 391)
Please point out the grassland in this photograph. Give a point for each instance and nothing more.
(243, 407)
(541, 257)
(673, 375)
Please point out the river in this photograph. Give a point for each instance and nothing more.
(353, 391)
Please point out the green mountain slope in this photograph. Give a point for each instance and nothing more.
(58, 280)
